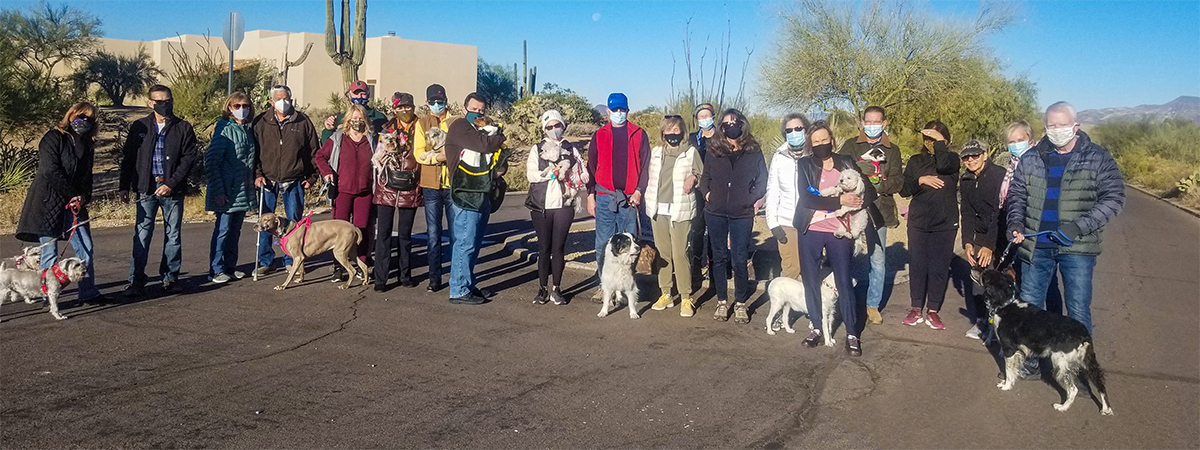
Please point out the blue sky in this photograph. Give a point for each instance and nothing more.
(1094, 54)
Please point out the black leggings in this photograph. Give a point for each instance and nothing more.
(552, 227)
(383, 242)
(929, 255)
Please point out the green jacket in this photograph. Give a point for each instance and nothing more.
(229, 167)
(378, 121)
(891, 171)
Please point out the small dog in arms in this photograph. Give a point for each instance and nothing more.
(339, 236)
(1026, 331)
(49, 283)
(617, 276)
(787, 295)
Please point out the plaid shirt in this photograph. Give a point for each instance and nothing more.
(159, 154)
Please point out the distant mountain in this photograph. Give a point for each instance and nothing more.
(1184, 107)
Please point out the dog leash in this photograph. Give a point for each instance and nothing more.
(1008, 248)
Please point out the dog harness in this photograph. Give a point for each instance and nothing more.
(306, 222)
(58, 275)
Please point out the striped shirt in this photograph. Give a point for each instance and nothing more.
(1056, 164)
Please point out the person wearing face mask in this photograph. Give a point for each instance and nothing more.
(734, 184)
(286, 141)
(229, 171)
(345, 161)
(1068, 188)
(554, 177)
(674, 171)
(358, 94)
(887, 176)
(979, 191)
(816, 226)
(783, 191)
(62, 185)
(701, 252)
(617, 158)
(159, 154)
(435, 181)
(931, 180)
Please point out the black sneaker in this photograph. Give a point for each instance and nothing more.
(381, 288)
(556, 297)
(540, 298)
(469, 299)
(134, 291)
(853, 346)
(814, 339)
(339, 275)
(483, 293)
(99, 299)
(408, 283)
(434, 286)
(171, 286)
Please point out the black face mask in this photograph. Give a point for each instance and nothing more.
(673, 139)
(822, 151)
(165, 109)
(81, 126)
(733, 131)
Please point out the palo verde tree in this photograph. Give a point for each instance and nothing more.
(118, 75)
(347, 47)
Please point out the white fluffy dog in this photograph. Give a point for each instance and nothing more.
(31, 284)
(29, 259)
(850, 181)
(787, 295)
(617, 276)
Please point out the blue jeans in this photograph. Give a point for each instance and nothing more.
(875, 279)
(223, 250)
(81, 241)
(728, 236)
(609, 223)
(469, 227)
(1076, 271)
(436, 201)
(293, 207)
(172, 257)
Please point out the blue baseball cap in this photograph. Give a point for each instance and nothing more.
(618, 100)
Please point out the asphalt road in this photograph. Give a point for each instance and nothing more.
(242, 365)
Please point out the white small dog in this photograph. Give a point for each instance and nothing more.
(850, 181)
(29, 259)
(787, 295)
(31, 284)
(617, 277)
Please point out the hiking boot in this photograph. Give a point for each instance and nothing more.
(219, 278)
(469, 299)
(540, 298)
(664, 302)
(873, 316)
(722, 312)
(262, 270)
(740, 314)
(556, 297)
(913, 317)
(853, 346)
(814, 339)
(171, 287)
(687, 308)
(934, 321)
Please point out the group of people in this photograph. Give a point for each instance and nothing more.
(698, 192)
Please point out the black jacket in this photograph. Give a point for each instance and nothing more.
(932, 209)
(734, 183)
(981, 218)
(809, 174)
(285, 153)
(892, 171)
(179, 151)
(64, 171)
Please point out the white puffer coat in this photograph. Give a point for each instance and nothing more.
(782, 192)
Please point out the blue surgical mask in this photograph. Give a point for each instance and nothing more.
(706, 124)
(1018, 148)
(471, 116)
(437, 108)
(796, 139)
(358, 101)
(873, 131)
(618, 117)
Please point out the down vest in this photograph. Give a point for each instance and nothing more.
(1092, 193)
(229, 167)
(64, 170)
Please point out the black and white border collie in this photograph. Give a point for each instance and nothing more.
(1026, 331)
(617, 276)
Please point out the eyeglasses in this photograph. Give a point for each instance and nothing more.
(551, 127)
(791, 130)
(239, 105)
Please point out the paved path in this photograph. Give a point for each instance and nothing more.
(241, 365)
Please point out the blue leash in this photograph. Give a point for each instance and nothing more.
(1008, 248)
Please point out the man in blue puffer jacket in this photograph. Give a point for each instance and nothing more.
(1065, 190)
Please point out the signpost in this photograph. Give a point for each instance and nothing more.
(233, 32)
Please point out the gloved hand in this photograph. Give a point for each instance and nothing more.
(1065, 235)
(779, 235)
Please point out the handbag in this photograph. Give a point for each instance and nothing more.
(400, 180)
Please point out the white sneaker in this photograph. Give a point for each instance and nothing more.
(219, 278)
(237, 274)
(975, 332)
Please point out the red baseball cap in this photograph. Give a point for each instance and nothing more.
(358, 85)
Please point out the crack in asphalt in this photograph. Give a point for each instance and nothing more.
(803, 416)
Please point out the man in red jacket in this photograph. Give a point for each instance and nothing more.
(617, 158)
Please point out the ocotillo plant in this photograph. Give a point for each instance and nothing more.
(347, 47)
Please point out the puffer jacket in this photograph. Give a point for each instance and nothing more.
(1092, 193)
(64, 171)
(782, 193)
(229, 167)
(385, 159)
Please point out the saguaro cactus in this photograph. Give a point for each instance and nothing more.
(347, 47)
(288, 65)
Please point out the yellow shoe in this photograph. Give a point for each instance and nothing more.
(687, 308)
(664, 302)
(873, 316)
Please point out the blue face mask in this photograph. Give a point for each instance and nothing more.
(1018, 148)
(796, 139)
(437, 108)
(873, 131)
(706, 124)
(471, 116)
(618, 117)
(358, 101)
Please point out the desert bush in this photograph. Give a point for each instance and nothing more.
(523, 120)
(1157, 155)
(17, 168)
(581, 130)
(515, 176)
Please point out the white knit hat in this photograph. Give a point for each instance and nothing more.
(550, 115)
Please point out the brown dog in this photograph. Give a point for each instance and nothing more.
(340, 236)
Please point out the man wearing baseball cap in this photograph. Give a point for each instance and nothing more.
(435, 179)
(617, 158)
(359, 94)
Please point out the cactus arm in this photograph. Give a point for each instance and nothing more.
(331, 44)
(303, 56)
(358, 42)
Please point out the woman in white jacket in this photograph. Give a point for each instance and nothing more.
(555, 172)
(674, 171)
(782, 192)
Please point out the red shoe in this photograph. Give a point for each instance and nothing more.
(913, 317)
(934, 321)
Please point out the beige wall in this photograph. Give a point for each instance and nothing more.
(391, 64)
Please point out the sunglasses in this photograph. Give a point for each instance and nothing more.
(239, 105)
(979, 155)
(728, 124)
(438, 103)
(673, 116)
(551, 127)
(789, 130)
(403, 107)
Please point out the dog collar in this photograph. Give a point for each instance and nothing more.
(58, 275)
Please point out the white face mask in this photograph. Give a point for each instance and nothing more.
(617, 117)
(283, 105)
(241, 114)
(555, 134)
(1060, 137)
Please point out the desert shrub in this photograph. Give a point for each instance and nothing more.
(1157, 155)
(523, 119)
(17, 168)
(581, 130)
(515, 176)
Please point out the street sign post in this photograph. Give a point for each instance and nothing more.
(233, 32)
